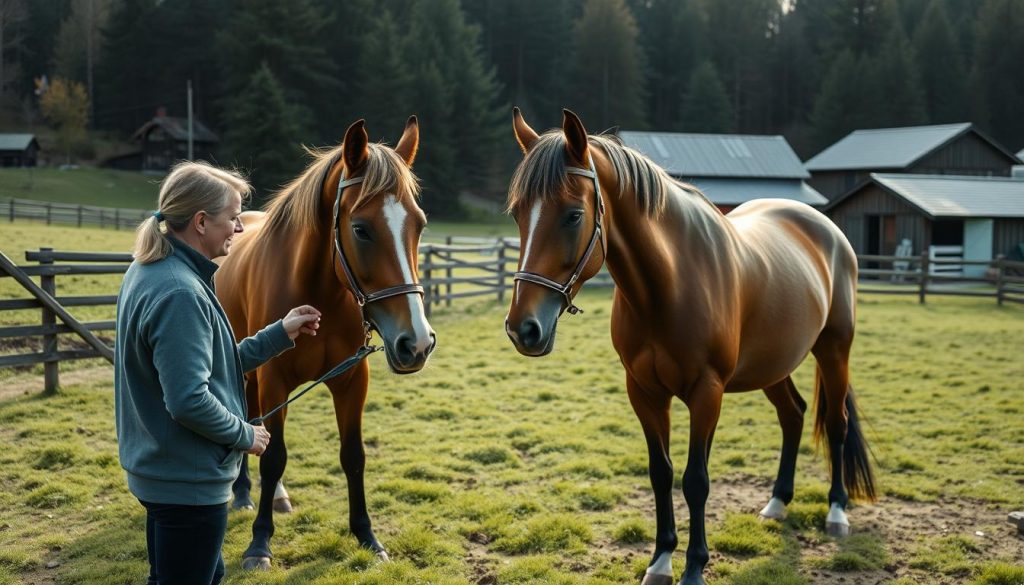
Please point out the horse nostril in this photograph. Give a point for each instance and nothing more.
(530, 332)
(405, 349)
(433, 343)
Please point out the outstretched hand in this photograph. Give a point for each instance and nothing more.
(304, 319)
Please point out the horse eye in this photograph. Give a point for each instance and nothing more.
(361, 233)
(574, 218)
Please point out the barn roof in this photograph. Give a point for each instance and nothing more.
(951, 195)
(718, 155)
(16, 141)
(891, 148)
(177, 128)
(735, 191)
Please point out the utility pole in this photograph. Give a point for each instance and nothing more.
(189, 119)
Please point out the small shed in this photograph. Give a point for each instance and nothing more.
(729, 168)
(984, 216)
(948, 149)
(164, 140)
(18, 150)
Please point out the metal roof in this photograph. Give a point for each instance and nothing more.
(736, 191)
(1020, 154)
(16, 141)
(177, 128)
(884, 148)
(955, 196)
(718, 155)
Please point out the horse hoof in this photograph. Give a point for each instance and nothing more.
(283, 506)
(837, 529)
(256, 563)
(775, 510)
(652, 579)
(382, 556)
(242, 504)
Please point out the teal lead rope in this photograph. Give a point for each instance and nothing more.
(337, 370)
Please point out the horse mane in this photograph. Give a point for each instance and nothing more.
(297, 204)
(541, 174)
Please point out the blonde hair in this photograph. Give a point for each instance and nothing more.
(190, 187)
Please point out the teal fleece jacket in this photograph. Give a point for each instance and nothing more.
(178, 386)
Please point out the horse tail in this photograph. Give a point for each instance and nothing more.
(858, 476)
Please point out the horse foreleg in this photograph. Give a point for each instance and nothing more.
(705, 405)
(349, 399)
(790, 408)
(655, 411)
(272, 464)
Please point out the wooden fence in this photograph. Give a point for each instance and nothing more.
(458, 269)
(71, 214)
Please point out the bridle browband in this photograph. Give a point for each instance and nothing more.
(566, 289)
(363, 298)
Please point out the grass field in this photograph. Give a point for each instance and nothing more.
(82, 186)
(488, 467)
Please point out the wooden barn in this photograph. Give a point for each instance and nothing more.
(729, 168)
(984, 216)
(18, 150)
(950, 149)
(164, 141)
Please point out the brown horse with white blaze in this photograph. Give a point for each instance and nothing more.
(704, 304)
(341, 237)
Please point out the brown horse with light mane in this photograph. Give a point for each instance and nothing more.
(704, 304)
(342, 237)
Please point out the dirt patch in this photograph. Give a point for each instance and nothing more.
(902, 525)
(24, 384)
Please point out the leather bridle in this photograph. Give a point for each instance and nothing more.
(363, 298)
(566, 289)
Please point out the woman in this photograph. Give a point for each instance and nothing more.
(179, 392)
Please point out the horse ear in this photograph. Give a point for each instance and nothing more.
(524, 134)
(575, 136)
(353, 149)
(410, 141)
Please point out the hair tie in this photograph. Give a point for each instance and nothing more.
(158, 215)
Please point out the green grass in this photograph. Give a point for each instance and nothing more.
(488, 466)
(82, 186)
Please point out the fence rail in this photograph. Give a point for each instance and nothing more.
(458, 269)
(52, 213)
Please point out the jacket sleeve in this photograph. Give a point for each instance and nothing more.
(267, 343)
(180, 336)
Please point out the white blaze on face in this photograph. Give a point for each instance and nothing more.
(534, 220)
(396, 216)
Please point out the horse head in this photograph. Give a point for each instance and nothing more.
(555, 198)
(376, 230)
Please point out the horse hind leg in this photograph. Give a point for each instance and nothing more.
(837, 421)
(790, 408)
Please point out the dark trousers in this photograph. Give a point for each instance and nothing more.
(184, 543)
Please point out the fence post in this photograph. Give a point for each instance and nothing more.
(501, 271)
(448, 276)
(117, 219)
(79, 216)
(10, 210)
(48, 206)
(51, 367)
(999, 281)
(924, 277)
(428, 290)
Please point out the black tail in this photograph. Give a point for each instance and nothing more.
(858, 476)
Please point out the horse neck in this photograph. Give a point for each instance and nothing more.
(690, 235)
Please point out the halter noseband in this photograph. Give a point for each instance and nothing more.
(566, 289)
(361, 297)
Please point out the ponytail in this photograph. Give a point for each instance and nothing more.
(189, 188)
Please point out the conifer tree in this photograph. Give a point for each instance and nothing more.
(263, 136)
(706, 106)
(607, 72)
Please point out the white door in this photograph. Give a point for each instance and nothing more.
(977, 244)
